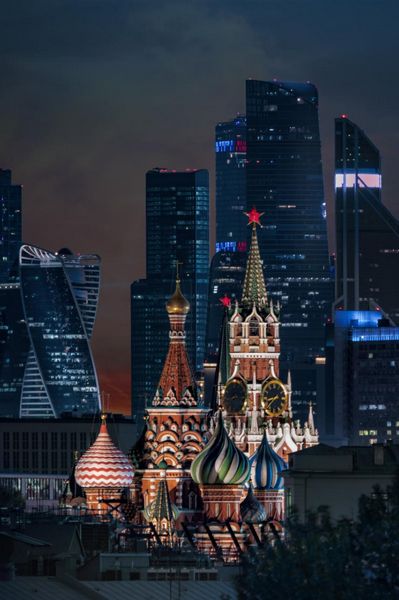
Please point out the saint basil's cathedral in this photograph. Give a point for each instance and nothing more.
(212, 474)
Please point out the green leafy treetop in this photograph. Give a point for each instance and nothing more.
(325, 560)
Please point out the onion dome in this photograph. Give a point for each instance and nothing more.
(266, 467)
(177, 304)
(220, 462)
(103, 465)
(252, 511)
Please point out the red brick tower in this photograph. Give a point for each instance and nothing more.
(253, 395)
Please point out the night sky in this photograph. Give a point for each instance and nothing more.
(94, 93)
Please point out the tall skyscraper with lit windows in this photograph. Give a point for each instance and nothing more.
(361, 363)
(10, 226)
(285, 181)
(367, 233)
(177, 231)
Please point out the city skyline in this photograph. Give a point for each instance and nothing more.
(82, 161)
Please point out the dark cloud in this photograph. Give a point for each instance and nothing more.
(95, 92)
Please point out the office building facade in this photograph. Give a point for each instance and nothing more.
(362, 370)
(14, 348)
(11, 226)
(367, 234)
(285, 182)
(374, 384)
(177, 231)
(59, 375)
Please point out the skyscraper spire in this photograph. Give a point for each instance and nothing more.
(254, 291)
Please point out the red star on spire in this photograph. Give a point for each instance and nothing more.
(225, 301)
(254, 216)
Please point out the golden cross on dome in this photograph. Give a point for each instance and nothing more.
(178, 262)
(254, 217)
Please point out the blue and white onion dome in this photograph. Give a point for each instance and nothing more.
(220, 462)
(252, 511)
(267, 467)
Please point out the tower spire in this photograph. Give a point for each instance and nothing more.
(311, 419)
(177, 385)
(254, 291)
(161, 512)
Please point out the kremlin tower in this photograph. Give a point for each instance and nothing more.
(250, 390)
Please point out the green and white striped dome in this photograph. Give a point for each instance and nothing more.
(220, 462)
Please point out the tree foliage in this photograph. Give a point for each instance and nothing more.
(324, 560)
(11, 498)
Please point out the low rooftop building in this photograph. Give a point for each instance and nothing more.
(337, 477)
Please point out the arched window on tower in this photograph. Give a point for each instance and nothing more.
(253, 327)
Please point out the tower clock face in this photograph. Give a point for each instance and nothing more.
(235, 395)
(274, 398)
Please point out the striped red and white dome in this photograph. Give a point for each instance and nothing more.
(103, 465)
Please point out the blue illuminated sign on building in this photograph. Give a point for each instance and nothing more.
(357, 318)
(230, 246)
(380, 334)
(225, 146)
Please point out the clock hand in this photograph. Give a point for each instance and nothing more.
(271, 400)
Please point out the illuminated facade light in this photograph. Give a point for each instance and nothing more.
(362, 180)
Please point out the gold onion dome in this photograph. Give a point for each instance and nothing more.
(177, 304)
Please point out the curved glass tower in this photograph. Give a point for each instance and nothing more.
(59, 297)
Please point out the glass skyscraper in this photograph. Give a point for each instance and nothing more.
(367, 233)
(14, 348)
(285, 181)
(226, 272)
(363, 380)
(11, 226)
(59, 299)
(230, 149)
(177, 228)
